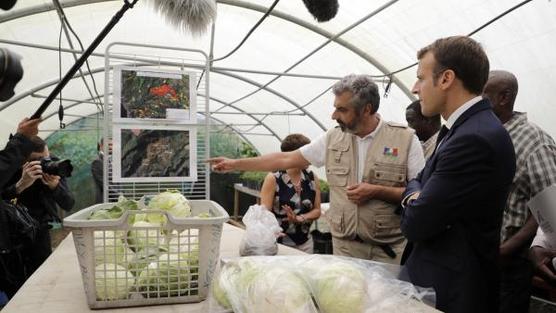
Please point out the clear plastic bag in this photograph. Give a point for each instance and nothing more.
(312, 284)
(261, 230)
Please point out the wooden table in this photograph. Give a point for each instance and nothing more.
(56, 287)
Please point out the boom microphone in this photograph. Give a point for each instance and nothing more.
(188, 15)
(322, 10)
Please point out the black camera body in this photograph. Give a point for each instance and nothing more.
(62, 168)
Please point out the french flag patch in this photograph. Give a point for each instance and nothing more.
(393, 152)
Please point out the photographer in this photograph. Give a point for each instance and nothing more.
(12, 158)
(41, 193)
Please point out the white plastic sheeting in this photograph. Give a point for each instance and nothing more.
(381, 37)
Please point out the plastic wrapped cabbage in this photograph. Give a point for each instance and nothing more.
(112, 281)
(251, 287)
(330, 283)
(313, 283)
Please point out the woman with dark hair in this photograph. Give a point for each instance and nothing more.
(293, 196)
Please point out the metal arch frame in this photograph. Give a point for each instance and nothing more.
(221, 72)
(245, 5)
(274, 134)
(89, 116)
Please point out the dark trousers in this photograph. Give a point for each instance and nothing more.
(12, 272)
(21, 263)
(36, 253)
(515, 285)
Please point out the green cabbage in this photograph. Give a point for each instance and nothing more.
(110, 247)
(247, 286)
(112, 281)
(171, 201)
(140, 261)
(116, 211)
(277, 289)
(169, 276)
(147, 240)
(339, 287)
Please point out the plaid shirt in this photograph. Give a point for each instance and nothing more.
(535, 153)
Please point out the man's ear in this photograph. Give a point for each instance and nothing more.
(504, 97)
(447, 79)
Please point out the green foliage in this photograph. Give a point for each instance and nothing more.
(247, 150)
(257, 177)
(78, 142)
(225, 144)
(324, 187)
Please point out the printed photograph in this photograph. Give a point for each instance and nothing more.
(154, 155)
(146, 94)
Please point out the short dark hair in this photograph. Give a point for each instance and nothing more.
(363, 88)
(293, 142)
(462, 55)
(433, 120)
(38, 144)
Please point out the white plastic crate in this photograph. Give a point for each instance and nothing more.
(136, 266)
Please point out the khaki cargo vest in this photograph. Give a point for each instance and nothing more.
(385, 164)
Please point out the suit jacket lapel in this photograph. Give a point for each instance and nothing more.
(431, 164)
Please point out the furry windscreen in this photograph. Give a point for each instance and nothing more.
(193, 16)
(322, 10)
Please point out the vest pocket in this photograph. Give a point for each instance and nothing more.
(387, 226)
(392, 174)
(336, 222)
(337, 176)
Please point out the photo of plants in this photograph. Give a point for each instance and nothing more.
(150, 94)
(155, 153)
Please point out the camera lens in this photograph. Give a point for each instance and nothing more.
(62, 168)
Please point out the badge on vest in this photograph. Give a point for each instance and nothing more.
(392, 152)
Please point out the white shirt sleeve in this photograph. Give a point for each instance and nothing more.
(415, 159)
(315, 152)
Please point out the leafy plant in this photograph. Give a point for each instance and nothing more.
(247, 151)
(324, 187)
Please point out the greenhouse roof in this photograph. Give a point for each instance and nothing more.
(279, 81)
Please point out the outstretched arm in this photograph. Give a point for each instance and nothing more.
(266, 163)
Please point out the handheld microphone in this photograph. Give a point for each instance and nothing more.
(322, 10)
(188, 15)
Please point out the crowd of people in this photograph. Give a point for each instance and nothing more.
(459, 222)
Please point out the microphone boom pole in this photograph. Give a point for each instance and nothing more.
(128, 4)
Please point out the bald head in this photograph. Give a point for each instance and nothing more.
(501, 89)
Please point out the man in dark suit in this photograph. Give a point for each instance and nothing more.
(453, 209)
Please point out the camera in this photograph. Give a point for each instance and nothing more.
(62, 168)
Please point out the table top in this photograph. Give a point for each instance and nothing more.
(56, 287)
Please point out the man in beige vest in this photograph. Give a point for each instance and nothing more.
(368, 163)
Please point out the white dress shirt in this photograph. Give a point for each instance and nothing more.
(315, 153)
